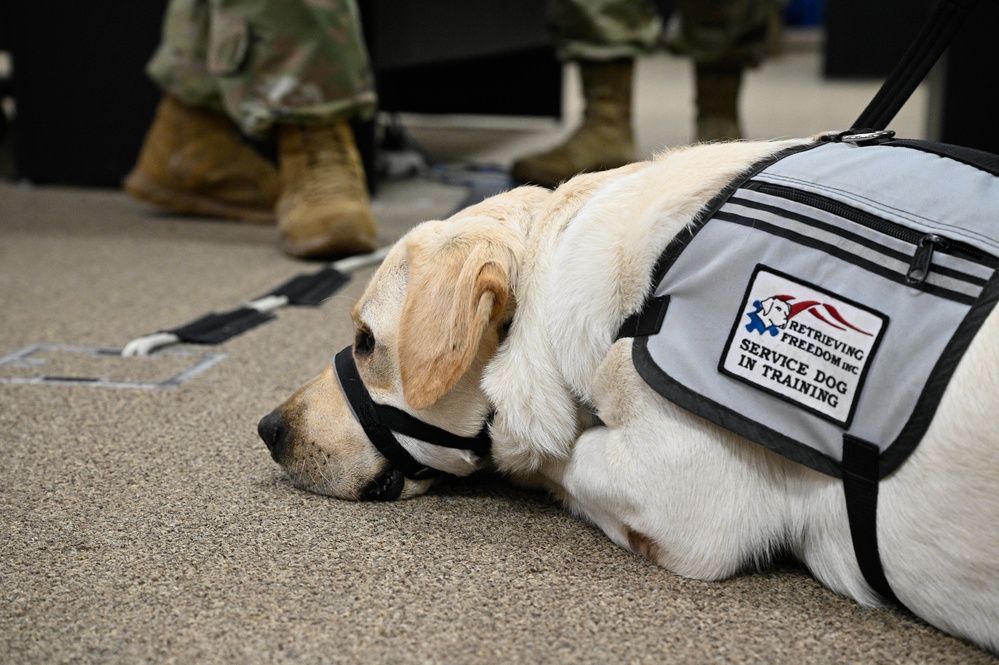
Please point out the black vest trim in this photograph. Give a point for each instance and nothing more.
(728, 418)
(926, 407)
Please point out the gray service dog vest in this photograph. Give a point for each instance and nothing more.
(821, 303)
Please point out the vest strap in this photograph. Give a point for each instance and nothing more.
(646, 321)
(861, 475)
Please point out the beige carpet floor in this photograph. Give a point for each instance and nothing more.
(149, 525)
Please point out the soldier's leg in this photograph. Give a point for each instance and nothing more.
(605, 37)
(179, 65)
(193, 159)
(724, 38)
(302, 67)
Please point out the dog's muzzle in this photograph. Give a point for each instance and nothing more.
(381, 422)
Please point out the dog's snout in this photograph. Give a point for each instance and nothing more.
(274, 432)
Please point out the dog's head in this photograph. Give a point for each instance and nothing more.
(403, 403)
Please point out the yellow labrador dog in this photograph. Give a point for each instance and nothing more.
(503, 322)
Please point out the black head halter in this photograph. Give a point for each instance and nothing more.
(380, 421)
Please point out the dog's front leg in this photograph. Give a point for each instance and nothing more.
(656, 506)
(669, 486)
(592, 493)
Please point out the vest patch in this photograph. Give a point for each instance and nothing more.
(803, 344)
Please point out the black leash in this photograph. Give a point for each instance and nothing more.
(305, 290)
(929, 44)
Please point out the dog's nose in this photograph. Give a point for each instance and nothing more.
(273, 430)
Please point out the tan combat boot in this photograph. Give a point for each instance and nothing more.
(194, 161)
(718, 102)
(605, 140)
(324, 209)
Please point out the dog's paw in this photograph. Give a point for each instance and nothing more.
(526, 449)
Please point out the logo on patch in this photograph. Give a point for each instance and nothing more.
(803, 344)
(772, 314)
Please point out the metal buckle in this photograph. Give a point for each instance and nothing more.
(868, 137)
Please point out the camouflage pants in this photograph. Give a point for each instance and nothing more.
(730, 32)
(266, 62)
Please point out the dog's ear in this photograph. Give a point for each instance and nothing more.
(456, 295)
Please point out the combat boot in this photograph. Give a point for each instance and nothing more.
(605, 140)
(194, 161)
(324, 209)
(718, 102)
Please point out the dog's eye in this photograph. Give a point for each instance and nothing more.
(364, 342)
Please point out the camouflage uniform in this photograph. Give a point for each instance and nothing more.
(606, 37)
(711, 31)
(604, 29)
(727, 33)
(297, 62)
